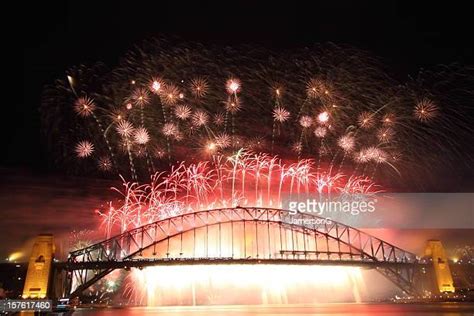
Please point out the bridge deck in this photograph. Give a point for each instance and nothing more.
(141, 263)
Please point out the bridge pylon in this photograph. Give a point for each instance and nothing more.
(444, 278)
(38, 276)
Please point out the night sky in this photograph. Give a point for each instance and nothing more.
(56, 36)
(407, 36)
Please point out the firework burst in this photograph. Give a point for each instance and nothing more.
(124, 128)
(281, 115)
(306, 121)
(233, 106)
(366, 120)
(141, 136)
(223, 141)
(170, 95)
(199, 118)
(140, 97)
(425, 110)
(84, 149)
(84, 106)
(233, 86)
(104, 163)
(182, 111)
(199, 87)
(346, 142)
(334, 118)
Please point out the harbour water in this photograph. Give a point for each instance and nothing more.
(429, 309)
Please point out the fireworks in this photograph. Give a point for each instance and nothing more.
(104, 164)
(219, 119)
(199, 118)
(170, 95)
(223, 141)
(124, 128)
(330, 111)
(340, 126)
(140, 96)
(346, 142)
(232, 106)
(170, 129)
(366, 120)
(316, 88)
(199, 87)
(425, 110)
(385, 134)
(233, 86)
(280, 114)
(187, 188)
(156, 85)
(182, 112)
(389, 119)
(84, 106)
(323, 117)
(141, 136)
(320, 132)
(306, 121)
(84, 149)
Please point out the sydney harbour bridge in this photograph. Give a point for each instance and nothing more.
(243, 235)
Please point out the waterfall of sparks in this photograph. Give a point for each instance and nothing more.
(244, 179)
(245, 284)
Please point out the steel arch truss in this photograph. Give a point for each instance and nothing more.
(243, 233)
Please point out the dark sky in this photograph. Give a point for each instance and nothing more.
(406, 36)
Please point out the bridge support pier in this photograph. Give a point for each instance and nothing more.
(444, 278)
(38, 276)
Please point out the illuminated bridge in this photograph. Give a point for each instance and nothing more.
(241, 235)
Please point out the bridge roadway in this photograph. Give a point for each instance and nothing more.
(144, 262)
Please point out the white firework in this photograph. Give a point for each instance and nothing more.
(182, 111)
(84, 149)
(199, 118)
(306, 121)
(320, 132)
(365, 120)
(233, 85)
(385, 134)
(141, 136)
(219, 119)
(425, 110)
(376, 154)
(223, 141)
(297, 147)
(199, 87)
(361, 156)
(159, 152)
(140, 96)
(156, 85)
(346, 142)
(104, 163)
(316, 88)
(84, 106)
(280, 114)
(323, 117)
(169, 129)
(124, 128)
(170, 95)
(233, 106)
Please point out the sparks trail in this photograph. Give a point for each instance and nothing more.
(192, 107)
(244, 179)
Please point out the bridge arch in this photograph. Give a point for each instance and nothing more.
(239, 234)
